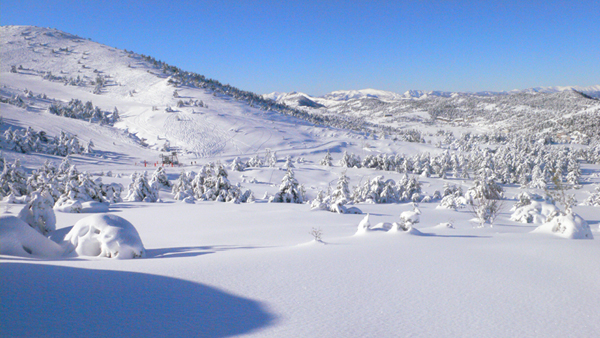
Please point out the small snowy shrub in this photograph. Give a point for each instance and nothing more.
(317, 234)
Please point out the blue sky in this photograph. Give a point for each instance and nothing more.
(321, 46)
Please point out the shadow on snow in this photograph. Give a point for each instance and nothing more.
(45, 300)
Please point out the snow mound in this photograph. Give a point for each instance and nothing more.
(536, 212)
(411, 217)
(383, 226)
(341, 209)
(363, 226)
(570, 226)
(413, 231)
(17, 238)
(105, 236)
(404, 229)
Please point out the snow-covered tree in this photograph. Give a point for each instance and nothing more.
(140, 189)
(484, 188)
(255, 162)
(594, 198)
(38, 212)
(238, 165)
(341, 193)
(320, 201)
(288, 163)
(271, 158)
(159, 179)
(212, 184)
(13, 180)
(182, 187)
(290, 191)
(89, 148)
(326, 161)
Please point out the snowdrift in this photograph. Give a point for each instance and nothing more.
(17, 238)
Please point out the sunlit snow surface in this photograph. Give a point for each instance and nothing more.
(219, 269)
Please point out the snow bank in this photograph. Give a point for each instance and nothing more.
(17, 238)
(570, 226)
(105, 236)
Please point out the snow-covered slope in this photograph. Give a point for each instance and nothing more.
(199, 122)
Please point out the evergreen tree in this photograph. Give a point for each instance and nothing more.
(290, 191)
(326, 161)
(341, 193)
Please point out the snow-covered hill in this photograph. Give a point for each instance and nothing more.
(197, 121)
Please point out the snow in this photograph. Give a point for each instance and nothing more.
(105, 235)
(212, 269)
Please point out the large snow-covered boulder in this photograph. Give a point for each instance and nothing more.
(570, 226)
(105, 235)
(18, 238)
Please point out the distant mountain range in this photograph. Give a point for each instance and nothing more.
(297, 99)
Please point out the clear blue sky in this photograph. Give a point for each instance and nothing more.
(320, 46)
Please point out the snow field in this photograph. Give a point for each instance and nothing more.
(221, 269)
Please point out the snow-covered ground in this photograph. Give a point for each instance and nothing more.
(213, 269)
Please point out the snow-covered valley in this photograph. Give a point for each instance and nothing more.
(485, 226)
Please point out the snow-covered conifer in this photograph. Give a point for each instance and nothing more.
(341, 193)
(238, 165)
(594, 198)
(290, 191)
(140, 189)
(288, 163)
(182, 187)
(159, 179)
(255, 162)
(89, 148)
(326, 161)
(38, 212)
